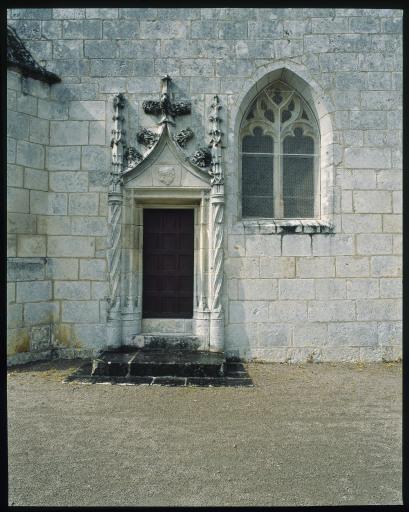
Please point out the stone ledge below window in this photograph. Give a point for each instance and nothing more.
(270, 227)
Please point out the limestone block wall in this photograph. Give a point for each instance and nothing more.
(298, 296)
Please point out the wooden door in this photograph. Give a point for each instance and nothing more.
(168, 263)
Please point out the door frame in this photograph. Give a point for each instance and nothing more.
(135, 202)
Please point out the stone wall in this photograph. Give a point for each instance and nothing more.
(287, 296)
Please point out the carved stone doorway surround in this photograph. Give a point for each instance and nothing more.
(164, 178)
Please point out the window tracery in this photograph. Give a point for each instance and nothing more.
(279, 156)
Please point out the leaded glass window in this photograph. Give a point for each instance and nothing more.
(279, 156)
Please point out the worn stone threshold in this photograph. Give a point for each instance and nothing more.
(235, 375)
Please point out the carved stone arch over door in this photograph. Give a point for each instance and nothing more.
(162, 175)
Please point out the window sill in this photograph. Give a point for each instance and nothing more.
(298, 226)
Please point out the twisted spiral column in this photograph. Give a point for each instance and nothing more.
(217, 232)
(115, 199)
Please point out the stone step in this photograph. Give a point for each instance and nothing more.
(158, 363)
(159, 341)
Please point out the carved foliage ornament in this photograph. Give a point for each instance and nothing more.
(165, 106)
(132, 156)
(183, 137)
(147, 138)
(202, 157)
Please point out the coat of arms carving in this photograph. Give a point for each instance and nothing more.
(166, 174)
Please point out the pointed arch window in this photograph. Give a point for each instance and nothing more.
(279, 156)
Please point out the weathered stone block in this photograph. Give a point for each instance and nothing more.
(34, 291)
(331, 311)
(386, 266)
(237, 67)
(288, 311)
(26, 103)
(296, 245)
(326, 245)
(11, 150)
(274, 335)
(35, 179)
(296, 289)
(232, 29)
(363, 288)
(379, 309)
(71, 246)
(48, 203)
(144, 49)
(14, 316)
(41, 313)
(390, 333)
(52, 110)
(17, 125)
(236, 246)
(97, 132)
(242, 267)
(371, 244)
(248, 311)
(31, 245)
(330, 289)
(102, 13)
(95, 270)
(25, 269)
(390, 288)
(125, 29)
(359, 223)
(63, 158)
(87, 110)
(72, 290)
(94, 158)
(101, 49)
(96, 226)
(62, 268)
(392, 223)
(271, 266)
(14, 175)
(349, 43)
(372, 201)
(68, 181)
(53, 225)
(368, 119)
(367, 158)
(68, 133)
(51, 29)
(310, 335)
(80, 312)
(21, 223)
(257, 289)
(163, 29)
(316, 266)
(83, 203)
(99, 290)
(17, 200)
(90, 335)
(352, 334)
(263, 245)
(29, 154)
(67, 49)
(82, 29)
(197, 67)
(352, 266)
(241, 335)
(40, 337)
(11, 292)
(27, 29)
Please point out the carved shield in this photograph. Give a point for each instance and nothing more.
(166, 174)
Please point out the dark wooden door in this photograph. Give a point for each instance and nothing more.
(168, 263)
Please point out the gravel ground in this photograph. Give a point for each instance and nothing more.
(313, 434)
